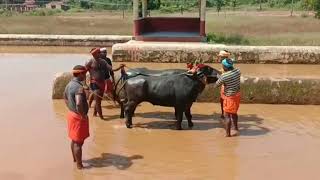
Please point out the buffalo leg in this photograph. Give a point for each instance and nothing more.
(189, 117)
(121, 110)
(179, 119)
(129, 110)
(176, 113)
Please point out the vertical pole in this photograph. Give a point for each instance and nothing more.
(203, 6)
(291, 8)
(144, 8)
(135, 17)
(260, 2)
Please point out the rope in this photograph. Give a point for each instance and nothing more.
(103, 97)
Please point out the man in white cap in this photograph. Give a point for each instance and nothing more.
(224, 54)
(231, 95)
(110, 73)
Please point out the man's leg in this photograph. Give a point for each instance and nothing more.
(228, 124)
(221, 106)
(97, 98)
(78, 154)
(235, 121)
(72, 150)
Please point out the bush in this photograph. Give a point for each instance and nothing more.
(235, 39)
(6, 13)
(43, 12)
(76, 9)
(172, 9)
(85, 4)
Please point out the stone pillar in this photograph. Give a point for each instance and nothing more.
(144, 8)
(203, 5)
(135, 17)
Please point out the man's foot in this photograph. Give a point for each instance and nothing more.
(101, 116)
(236, 133)
(79, 166)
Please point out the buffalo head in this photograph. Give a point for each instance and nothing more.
(211, 74)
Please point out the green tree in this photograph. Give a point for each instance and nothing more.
(234, 4)
(317, 9)
(219, 5)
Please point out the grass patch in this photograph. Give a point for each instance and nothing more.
(233, 39)
(43, 12)
(231, 27)
(5, 13)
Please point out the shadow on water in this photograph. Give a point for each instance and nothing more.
(108, 159)
(249, 124)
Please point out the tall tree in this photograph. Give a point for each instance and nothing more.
(260, 5)
(219, 4)
(317, 8)
(234, 4)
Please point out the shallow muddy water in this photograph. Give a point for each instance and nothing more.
(275, 142)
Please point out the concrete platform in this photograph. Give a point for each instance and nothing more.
(177, 52)
(61, 40)
(262, 90)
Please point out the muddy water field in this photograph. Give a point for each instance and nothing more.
(275, 142)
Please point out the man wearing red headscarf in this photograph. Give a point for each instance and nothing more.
(78, 122)
(97, 68)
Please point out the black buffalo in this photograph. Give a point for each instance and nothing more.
(176, 90)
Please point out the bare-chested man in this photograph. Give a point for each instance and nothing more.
(97, 68)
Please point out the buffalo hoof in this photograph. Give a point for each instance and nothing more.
(190, 125)
(129, 126)
(178, 128)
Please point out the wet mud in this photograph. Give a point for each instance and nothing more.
(275, 142)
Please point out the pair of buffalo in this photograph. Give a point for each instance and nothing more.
(172, 88)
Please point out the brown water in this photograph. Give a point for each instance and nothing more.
(275, 142)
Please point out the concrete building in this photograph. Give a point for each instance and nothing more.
(179, 29)
(57, 5)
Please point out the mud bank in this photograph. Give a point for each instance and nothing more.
(263, 90)
(135, 51)
(61, 40)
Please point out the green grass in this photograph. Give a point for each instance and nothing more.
(232, 27)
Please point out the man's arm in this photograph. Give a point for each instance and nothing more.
(65, 98)
(219, 82)
(118, 68)
(79, 103)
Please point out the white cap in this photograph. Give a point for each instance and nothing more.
(103, 49)
(224, 54)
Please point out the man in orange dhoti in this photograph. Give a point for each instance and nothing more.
(230, 80)
(78, 122)
(224, 54)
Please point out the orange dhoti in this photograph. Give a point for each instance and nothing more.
(231, 103)
(78, 128)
